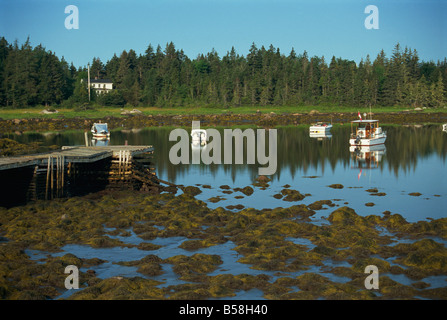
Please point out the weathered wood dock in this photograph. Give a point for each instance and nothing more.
(72, 154)
(76, 170)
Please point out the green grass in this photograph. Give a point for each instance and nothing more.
(102, 112)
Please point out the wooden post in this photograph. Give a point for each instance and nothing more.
(127, 160)
(48, 178)
(57, 176)
(63, 173)
(52, 177)
(119, 164)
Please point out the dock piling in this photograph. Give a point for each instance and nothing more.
(80, 170)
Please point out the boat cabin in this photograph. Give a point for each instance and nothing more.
(365, 129)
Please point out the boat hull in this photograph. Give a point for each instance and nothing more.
(101, 136)
(367, 142)
(320, 129)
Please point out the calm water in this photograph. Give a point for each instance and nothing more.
(412, 160)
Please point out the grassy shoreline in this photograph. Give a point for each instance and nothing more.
(101, 112)
(149, 117)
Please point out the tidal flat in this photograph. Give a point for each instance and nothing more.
(131, 245)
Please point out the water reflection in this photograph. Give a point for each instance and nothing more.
(414, 161)
(298, 152)
(100, 142)
(367, 157)
(320, 136)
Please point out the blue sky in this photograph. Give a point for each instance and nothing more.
(321, 27)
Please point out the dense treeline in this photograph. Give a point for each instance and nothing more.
(167, 77)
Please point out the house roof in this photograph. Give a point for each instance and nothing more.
(100, 81)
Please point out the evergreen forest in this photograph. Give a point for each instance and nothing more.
(166, 77)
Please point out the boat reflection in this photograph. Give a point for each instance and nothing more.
(367, 157)
(198, 145)
(198, 139)
(320, 135)
(102, 142)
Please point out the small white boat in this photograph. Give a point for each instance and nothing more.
(444, 127)
(100, 131)
(366, 133)
(320, 128)
(198, 136)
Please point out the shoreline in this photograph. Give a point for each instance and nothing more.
(271, 119)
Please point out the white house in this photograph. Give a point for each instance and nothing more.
(101, 85)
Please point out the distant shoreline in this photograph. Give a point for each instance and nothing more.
(262, 119)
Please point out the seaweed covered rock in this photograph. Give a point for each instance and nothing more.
(10, 147)
(395, 222)
(248, 191)
(197, 263)
(262, 182)
(291, 195)
(336, 186)
(318, 205)
(300, 211)
(345, 216)
(121, 289)
(191, 190)
(425, 254)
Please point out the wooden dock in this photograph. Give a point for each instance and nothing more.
(76, 170)
(72, 154)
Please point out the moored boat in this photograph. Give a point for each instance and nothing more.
(366, 133)
(320, 128)
(100, 131)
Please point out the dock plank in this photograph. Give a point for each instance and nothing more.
(74, 154)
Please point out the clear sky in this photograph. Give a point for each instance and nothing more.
(321, 27)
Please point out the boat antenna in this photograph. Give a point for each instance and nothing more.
(88, 76)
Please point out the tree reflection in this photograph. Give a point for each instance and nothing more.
(297, 152)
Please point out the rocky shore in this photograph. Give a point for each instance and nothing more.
(227, 119)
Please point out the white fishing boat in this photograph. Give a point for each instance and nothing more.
(320, 128)
(100, 131)
(366, 133)
(444, 127)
